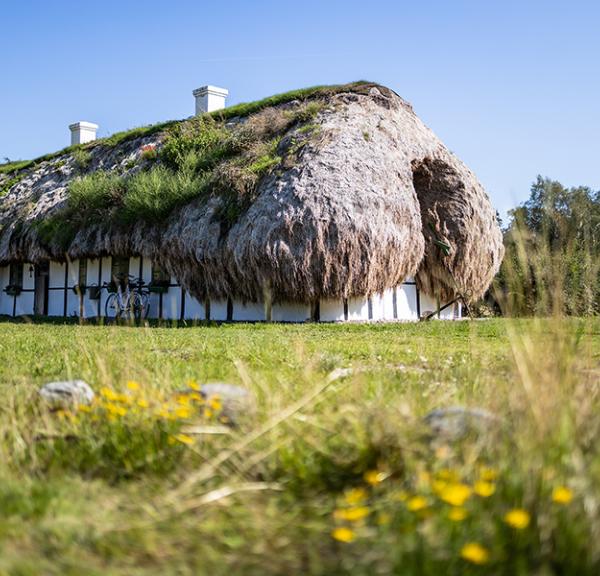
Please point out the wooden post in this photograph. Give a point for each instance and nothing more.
(268, 300)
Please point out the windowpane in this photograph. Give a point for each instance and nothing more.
(16, 275)
(119, 269)
(82, 272)
(159, 275)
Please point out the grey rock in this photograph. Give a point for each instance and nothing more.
(456, 422)
(67, 393)
(236, 401)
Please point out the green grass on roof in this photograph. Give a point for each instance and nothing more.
(239, 110)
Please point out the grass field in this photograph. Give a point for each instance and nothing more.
(325, 476)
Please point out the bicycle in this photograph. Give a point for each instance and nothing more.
(130, 301)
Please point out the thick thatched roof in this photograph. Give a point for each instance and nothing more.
(354, 194)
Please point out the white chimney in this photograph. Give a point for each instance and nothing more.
(82, 132)
(209, 99)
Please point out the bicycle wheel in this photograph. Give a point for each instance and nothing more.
(112, 309)
(139, 305)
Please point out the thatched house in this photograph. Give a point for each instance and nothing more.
(328, 204)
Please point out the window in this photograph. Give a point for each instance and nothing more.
(160, 277)
(119, 271)
(16, 275)
(82, 272)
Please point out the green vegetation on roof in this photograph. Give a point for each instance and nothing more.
(199, 158)
(239, 110)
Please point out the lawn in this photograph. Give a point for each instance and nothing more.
(330, 473)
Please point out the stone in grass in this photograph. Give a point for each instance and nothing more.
(455, 423)
(236, 401)
(67, 393)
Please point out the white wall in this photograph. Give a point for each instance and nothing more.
(290, 312)
(218, 310)
(194, 310)
(248, 312)
(406, 302)
(332, 310)
(56, 289)
(358, 309)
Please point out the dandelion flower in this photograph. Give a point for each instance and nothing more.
(488, 474)
(562, 495)
(108, 393)
(517, 518)
(183, 413)
(475, 553)
(374, 477)
(216, 404)
(484, 489)
(448, 475)
(116, 410)
(184, 439)
(455, 494)
(457, 514)
(193, 385)
(352, 514)
(84, 408)
(142, 403)
(343, 534)
(133, 386)
(417, 503)
(355, 496)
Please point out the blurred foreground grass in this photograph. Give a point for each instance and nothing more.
(324, 477)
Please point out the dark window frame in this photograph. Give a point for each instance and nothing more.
(82, 276)
(16, 274)
(119, 270)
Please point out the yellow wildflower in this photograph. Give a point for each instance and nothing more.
(216, 404)
(417, 503)
(142, 403)
(208, 413)
(457, 514)
(115, 410)
(108, 393)
(122, 398)
(184, 439)
(196, 397)
(193, 385)
(343, 534)
(84, 408)
(517, 518)
(562, 495)
(475, 553)
(488, 474)
(374, 477)
(455, 494)
(352, 514)
(133, 386)
(483, 488)
(448, 475)
(183, 412)
(355, 496)
(182, 399)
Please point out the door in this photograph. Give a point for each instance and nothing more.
(40, 303)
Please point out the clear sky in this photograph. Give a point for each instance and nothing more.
(512, 87)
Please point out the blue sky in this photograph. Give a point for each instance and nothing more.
(511, 87)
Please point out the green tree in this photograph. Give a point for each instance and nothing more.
(552, 261)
